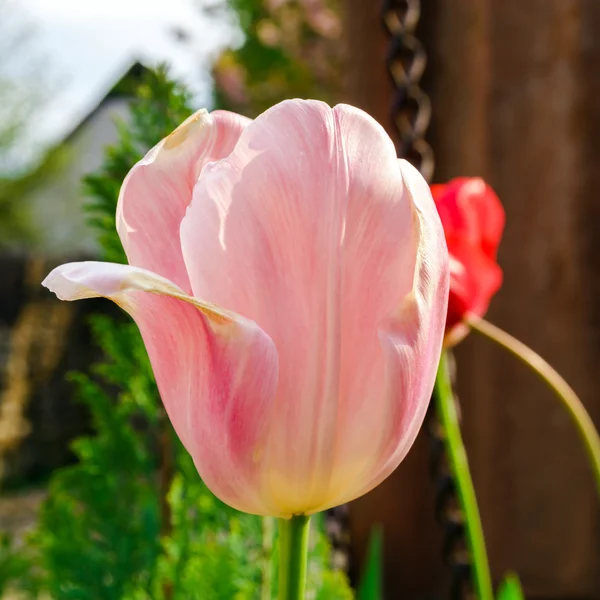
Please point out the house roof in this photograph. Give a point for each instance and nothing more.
(27, 156)
(121, 85)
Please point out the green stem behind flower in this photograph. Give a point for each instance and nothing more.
(563, 390)
(293, 556)
(446, 408)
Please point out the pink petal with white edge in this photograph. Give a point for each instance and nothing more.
(309, 229)
(216, 372)
(157, 191)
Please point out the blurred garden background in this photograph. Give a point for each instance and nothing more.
(97, 497)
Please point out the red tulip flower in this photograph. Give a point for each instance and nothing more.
(473, 221)
(289, 276)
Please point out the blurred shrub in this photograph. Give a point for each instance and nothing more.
(291, 49)
(16, 225)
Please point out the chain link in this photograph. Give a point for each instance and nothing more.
(448, 511)
(411, 114)
(406, 61)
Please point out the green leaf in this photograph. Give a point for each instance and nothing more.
(371, 583)
(443, 397)
(510, 588)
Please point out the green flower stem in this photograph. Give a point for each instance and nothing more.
(446, 409)
(563, 390)
(293, 553)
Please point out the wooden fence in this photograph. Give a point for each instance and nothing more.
(515, 90)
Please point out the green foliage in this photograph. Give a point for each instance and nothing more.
(291, 50)
(161, 105)
(14, 566)
(15, 219)
(329, 584)
(371, 583)
(132, 520)
(99, 530)
(510, 588)
(99, 534)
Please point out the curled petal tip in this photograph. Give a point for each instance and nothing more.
(157, 191)
(194, 124)
(67, 282)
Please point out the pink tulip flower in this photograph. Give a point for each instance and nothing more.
(289, 276)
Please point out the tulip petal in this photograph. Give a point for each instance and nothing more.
(157, 191)
(469, 207)
(474, 279)
(216, 371)
(412, 338)
(473, 220)
(308, 228)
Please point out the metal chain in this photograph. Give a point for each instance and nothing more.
(411, 114)
(448, 511)
(406, 60)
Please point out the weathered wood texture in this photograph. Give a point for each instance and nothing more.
(41, 339)
(514, 87)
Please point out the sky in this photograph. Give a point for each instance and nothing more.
(83, 45)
